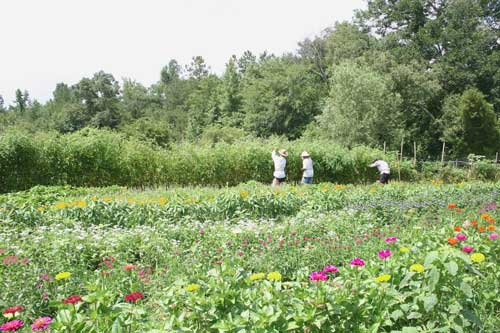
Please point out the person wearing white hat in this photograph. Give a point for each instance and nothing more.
(307, 168)
(279, 160)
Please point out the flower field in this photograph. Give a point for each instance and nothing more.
(324, 258)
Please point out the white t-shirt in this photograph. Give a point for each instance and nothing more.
(307, 165)
(279, 165)
(382, 167)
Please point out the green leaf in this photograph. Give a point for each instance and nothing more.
(430, 258)
(451, 267)
(414, 315)
(396, 314)
(429, 302)
(409, 330)
(466, 288)
(292, 325)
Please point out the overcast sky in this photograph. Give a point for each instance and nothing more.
(44, 42)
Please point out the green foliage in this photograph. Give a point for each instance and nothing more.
(361, 109)
(239, 259)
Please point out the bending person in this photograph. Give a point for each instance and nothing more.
(383, 168)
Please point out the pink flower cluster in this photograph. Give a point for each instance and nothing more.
(390, 239)
(384, 254)
(322, 276)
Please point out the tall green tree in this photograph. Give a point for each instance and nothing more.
(361, 108)
(280, 96)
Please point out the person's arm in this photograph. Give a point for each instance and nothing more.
(303, 165)
(274, 155)
(373, 165)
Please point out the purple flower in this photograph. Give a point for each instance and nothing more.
(493, 236)
(330, 269)
(384, 254)
(461, 237)
(41, 324)
(318, 276)
(390, 239)
(468, 249)
(357, 262)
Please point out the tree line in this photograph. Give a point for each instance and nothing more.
(412, 70)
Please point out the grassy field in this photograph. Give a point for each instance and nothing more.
(325, 258)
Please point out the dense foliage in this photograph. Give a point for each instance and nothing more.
(322, 258)
(93, 157)
(417, 70)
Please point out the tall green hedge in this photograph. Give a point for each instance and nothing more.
(100, 158)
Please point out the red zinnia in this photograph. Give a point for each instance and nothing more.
(452, 205)
(457, 229)
(13, 310)
(73, 299)
(134, 297)
(129, 267)
(452, 241)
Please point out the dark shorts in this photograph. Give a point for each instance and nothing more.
(384, 178)
(280, 180)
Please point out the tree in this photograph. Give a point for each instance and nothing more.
(470, 125)
(480, 123)
(197, 69)
(99, 97)
(361, 108)
(281, 96)
(2, 108)
(62, 94)
(170, 72)
(230, 95)
(22, 100)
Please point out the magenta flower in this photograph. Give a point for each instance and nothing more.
(384, 254)
(493, 236)
(12, 326)
(461, 237)
(41, 324)
(468, 249)
(318, 276)
(357, 262)
(390, 239)
(330, 269)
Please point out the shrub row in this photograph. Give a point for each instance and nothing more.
(100, 158)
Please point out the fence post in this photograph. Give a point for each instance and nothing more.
(399, 165)
(496, 159)
(414, 154)
(384, 147)
(442, 153)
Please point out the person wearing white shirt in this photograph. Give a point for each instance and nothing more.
(307, 168)
(383, 168)
(279, 160)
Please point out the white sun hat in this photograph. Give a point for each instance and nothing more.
(304, 154)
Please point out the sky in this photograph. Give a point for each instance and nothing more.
(44, 42)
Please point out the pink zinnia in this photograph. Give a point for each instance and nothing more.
(384, 254)
(129, 267)
(461, 237)
(390, 239)
(357, 262)
(12, 326)
(330, 269)
(468, 249)
(318, 276)
(493, 236)
(41, 323)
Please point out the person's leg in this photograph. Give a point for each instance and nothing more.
(275, 182)
(307, 180)
(384, 178)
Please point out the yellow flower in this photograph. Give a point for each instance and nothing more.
(40, 209)
(417, 268)
(404, 250)
(372, 190)
(192, 287)
(162, 201)
(60, 205)
(81, 203)
(383, 278)
(274, 276)
(63, 275)
(477, 257)
(244, 194)
(106, 199)
(257, 276)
